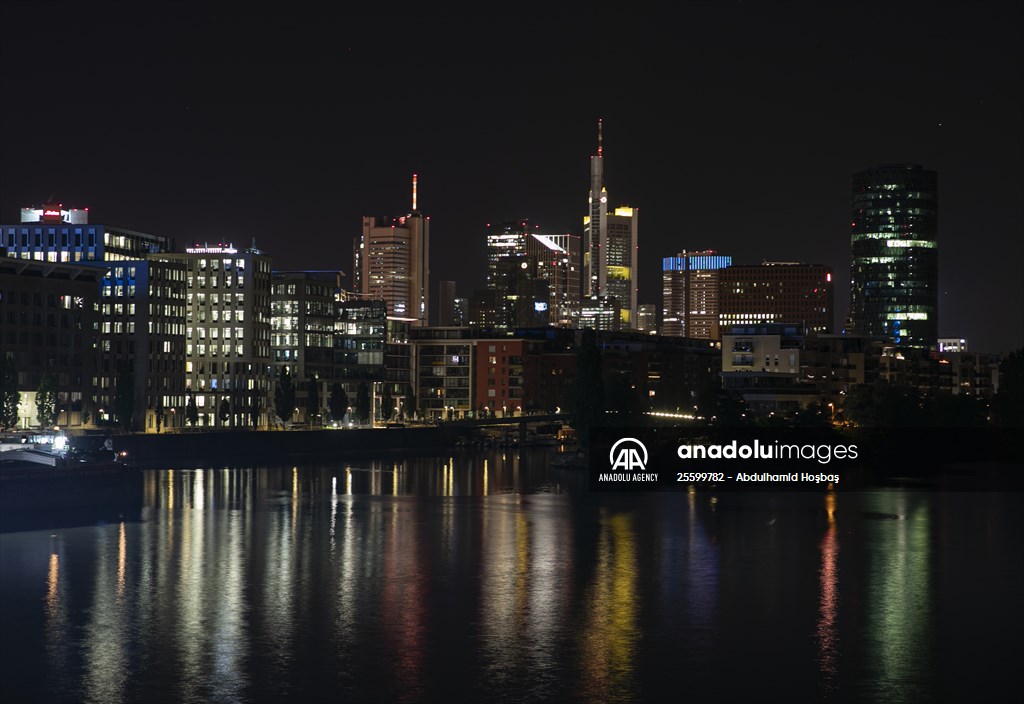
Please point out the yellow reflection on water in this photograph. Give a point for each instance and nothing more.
(610, 631)
(122, 549)
(52, 577)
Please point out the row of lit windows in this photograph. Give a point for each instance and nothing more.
(237, 299)
(214, 333)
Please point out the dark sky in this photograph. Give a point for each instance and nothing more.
(731, 126)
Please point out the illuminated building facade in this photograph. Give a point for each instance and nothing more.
(54, 233)
(600, 313)
(443, 371)
(894, 248)
(142, 336)
(690, 294)
(610, 242)
(304, 308)
(460, 312)
(647, 318)
(141, 328)
(777, 292)
(227, 334)
(392, 263)
(505, 241)
(558, 263)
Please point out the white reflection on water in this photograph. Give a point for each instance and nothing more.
(503, 587)
(106, 633)
(190, 591)
(524, 591)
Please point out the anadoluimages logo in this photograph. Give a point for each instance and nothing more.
(629, 454)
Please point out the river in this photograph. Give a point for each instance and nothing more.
(492, 577)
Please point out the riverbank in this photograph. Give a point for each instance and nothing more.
(148, 450)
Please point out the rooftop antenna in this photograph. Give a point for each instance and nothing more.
(599, 147)
(414, 193)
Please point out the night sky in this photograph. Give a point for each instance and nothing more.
(731, 126)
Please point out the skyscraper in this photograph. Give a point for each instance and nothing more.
(558, 263)
(392, 263)
(446, 304)
(690, 290)
(894, 254)
(610, 244)
(506, 240)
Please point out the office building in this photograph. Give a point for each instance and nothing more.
(304, 310)
(227, 334)
(392, 263)
(460, 311)
(690, 294)
(894, 250)
(142, 338)
(141, 329)
(558, 263)
(49, 323)
(610, 242)
(446, 304)
(777, 292)
(504, 241)
(54, 233)
(647, 318)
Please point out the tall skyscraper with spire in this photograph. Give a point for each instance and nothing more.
(392, 263)
(610, 244)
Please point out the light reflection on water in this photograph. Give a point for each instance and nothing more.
(478, 578)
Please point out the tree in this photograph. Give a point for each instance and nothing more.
(191, 410)
(884, 405)
(284, 396)
(730, 410)
(124, 397)
(387, 403)
(224, 411)
(588, 392)
(159, 412)
(9, 395)
(313, 401)
(337, 402)
(255, 406)
(814, 415)
(410, 403)
(362, 402)
(46, 400)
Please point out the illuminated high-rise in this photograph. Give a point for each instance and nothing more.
(610, 245)
(392, 263)
(691, 284)
(894, 248)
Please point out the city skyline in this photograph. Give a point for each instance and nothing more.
(736, 129)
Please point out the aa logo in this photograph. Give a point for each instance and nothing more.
(628, 454)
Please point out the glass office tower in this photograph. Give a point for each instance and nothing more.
(894, 247)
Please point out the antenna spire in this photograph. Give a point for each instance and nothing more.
(599, 147)
(414, 193)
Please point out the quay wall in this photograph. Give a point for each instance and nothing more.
(278, 446)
